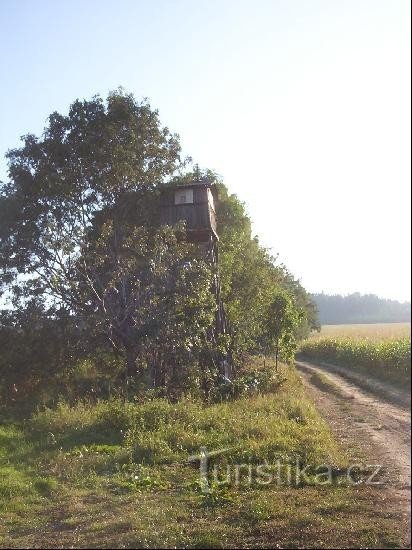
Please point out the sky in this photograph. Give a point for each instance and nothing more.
(302, 107)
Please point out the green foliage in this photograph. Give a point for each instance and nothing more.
(251, 279)
(254, 381)
(279, 330)
(107, 302)
(85, 163)
(156, 302)
(251, 429)
(35, 351)
(387, 359)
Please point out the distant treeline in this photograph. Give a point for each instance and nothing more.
(360, 308)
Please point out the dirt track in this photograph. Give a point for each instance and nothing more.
(373, 430)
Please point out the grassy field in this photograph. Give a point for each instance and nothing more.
(112, 474)
(381, 351)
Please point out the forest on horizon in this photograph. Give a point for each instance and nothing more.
(360, 308)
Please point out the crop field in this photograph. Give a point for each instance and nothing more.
(376, 331)
(381, 351)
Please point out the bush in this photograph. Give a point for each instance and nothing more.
(253, 380)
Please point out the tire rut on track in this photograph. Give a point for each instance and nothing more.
(372, 430)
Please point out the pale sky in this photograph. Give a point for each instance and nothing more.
(303, 107)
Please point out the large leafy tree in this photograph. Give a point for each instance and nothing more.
(78, 221)
(147, 291)
(87, 162)
(80, 238)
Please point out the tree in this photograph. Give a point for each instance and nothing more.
(251, 277)
(358, 308)
(280, 326)
(35, 349)
(70, 197)
(80, 237)
(85, 163)
(147, 291)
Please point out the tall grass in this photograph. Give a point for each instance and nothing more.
(254, 429)
(119, 447)
(116, 474)
(388, 359)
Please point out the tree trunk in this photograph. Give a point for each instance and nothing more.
(130, 363)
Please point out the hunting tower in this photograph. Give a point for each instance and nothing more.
(195, 204)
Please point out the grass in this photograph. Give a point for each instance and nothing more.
(369, 349)
(159, 432)
(115, 474)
